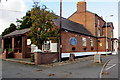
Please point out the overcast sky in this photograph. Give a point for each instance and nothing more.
(13, 9)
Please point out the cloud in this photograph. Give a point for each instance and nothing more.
(78, 0)
(9, 11)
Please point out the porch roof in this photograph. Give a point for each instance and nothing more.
(17, 32)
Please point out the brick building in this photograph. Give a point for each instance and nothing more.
(95, 24)
(83, 33)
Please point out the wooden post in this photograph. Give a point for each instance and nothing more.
(13, 43)
(24, 45)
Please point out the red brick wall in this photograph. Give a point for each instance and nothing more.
(109, 45)
(46, 58)
(18, 55)
(81, 6)
(86, 18)
(67, 47)
(100, 25)
(103, 42)
(90, 21)
(49, 57)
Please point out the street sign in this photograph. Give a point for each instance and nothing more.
(97, 58)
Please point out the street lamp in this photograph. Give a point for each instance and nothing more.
(106, 33)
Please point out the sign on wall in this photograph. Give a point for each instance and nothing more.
(28, 41)
(100, 44)
(73, 41)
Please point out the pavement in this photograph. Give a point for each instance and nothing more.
(80, 68)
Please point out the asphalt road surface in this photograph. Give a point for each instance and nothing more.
(85, 69)
(111, 69)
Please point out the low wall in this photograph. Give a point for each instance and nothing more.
(18, 55)
(46, 58)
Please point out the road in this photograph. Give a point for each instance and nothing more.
(111, 68)
(85, 69)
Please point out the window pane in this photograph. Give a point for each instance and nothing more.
(84, 41)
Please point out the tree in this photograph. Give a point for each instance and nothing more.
(9, 30)
(26, 21)
(43, 27)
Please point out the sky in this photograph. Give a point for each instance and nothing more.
(16, 9)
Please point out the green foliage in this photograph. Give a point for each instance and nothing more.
(0, 49)
(42, 19)
(9, 30)
(9, 49)
(26, 21)
(32, 58)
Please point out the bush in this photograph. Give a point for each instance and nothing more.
(9, 50)
(0, 49)
(32, 58)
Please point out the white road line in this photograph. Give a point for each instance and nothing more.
(110, 67)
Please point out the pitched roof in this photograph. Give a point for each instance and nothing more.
(17, 32)
(109, 24)
(72, 26)
(66, 24)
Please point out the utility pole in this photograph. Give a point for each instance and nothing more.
(60, 42)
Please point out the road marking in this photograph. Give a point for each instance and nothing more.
(110, 67)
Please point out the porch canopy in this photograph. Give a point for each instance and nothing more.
(16, 41)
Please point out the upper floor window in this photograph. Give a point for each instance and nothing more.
(84, 41)
(98, 25)
(98, 33)
(91, 42)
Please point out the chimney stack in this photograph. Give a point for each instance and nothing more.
(81, 6)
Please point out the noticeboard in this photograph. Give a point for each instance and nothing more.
(97, 58)
(73, 41)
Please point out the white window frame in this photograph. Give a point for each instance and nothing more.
(91, 42)
(84, 41)
(46, 47)
(98, 33)
(98, 25)
(107, 45)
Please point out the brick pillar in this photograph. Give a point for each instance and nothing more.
(3, 45)
(24, 45)
(13, 44)
(38, 57)
(5, 54)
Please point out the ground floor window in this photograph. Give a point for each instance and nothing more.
(46, 46)
(83, 41)
(91, 42)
